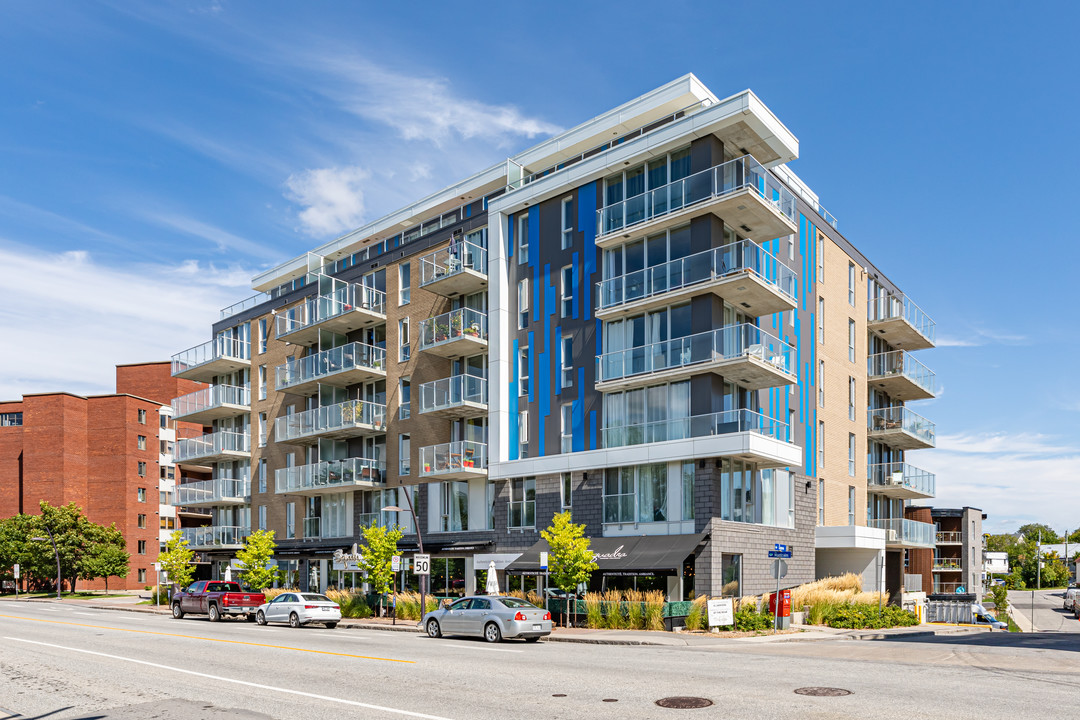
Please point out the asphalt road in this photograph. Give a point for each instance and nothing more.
(63, 662)
(1049, 615)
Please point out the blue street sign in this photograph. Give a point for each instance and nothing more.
(779, 554)
(780, 548)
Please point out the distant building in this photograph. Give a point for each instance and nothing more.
(956, 563)
(996, 563)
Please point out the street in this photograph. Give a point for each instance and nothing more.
(64, 662)
(1049, 615)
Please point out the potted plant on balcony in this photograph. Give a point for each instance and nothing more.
(455, 324)
(440, 332)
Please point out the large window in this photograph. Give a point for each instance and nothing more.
(647, 415)
(636, 494)
(640, 179)
(521, 510)
(731, 571)
(455, 507)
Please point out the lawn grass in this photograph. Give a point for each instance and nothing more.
(80, 595)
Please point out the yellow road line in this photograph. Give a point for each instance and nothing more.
(197, 637)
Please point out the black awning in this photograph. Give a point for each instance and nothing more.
(622, 555)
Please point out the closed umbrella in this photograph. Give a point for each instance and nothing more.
(492, 580)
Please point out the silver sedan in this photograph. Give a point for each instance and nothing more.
(300, 609)
(492, 617)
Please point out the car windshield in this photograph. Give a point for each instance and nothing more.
(513, 602)
(316, 598)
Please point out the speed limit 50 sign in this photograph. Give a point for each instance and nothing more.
(422, 564)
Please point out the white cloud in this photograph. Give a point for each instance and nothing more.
(333, 198)
(978, 337)
(98, 316)
(1014, 478)
(225, 241)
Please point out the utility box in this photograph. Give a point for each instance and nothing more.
(783, 617)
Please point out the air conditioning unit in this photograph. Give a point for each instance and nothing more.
(891, 536)
(896, 478)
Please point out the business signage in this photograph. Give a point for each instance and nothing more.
(721, 611)
(347, 561)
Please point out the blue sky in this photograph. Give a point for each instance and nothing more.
(154, 156)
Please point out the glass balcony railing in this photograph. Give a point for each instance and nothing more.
(215, 536)
(901, 531)
(721, 423)
(209, 398)
(900, 418)
(452, 392)
(312, 527)
(215, 444)
(948, 537)
(948, 564)
(463, 322)
(452, 457)
(245, 304)
(328, 363)
(451, 261)
(220, 348)
(329, 475)
(352, 414)
(382, 519)
(891, 307)
(901, 475)
(716, 264)
(899, 363)
(206, 492)
(729, 343)
(321, 308)
(743, 173)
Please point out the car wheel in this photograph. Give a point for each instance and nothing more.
(294, 620)
(214, 614)
(177, 612)
(433, 629)
(260, 618)
(331, 626)
(532, 639)
(492, 633)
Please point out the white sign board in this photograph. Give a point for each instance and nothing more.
(347, 561)
(422, 564)
(395, 563)
(721, 612)
(16, 571)
(543, 561)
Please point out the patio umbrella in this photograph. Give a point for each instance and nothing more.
(492, 580)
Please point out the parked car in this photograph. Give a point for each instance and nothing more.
(217, 599)
(300, 609)
(1069, 602)
(982, 617)
(492, 617)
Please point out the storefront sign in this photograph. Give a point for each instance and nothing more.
(347, 561)
(616, 554)
(721, 612)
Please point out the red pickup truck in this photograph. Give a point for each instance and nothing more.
(216, 598)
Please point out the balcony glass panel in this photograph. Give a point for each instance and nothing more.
(312, 527)
(452, 260)
(453, 457)
(722, 423)
(727, 343)
(332, 418)
(328, 363)
(907, 532)
(453, 391)
(245, 304)
(948, 564)
(216, 349)
(900, 418)
(215, 535)
(213, 396)
(382, 519)
(743, 173)
(345, 298)
(899, 362)
(891, 307)
(715, 264)
(211, 444)
(463, 322)
(891, 474)
(328, 475)
(211, 491)
(948, 537)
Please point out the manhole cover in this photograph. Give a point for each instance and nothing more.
(822, 691)
(684, 703)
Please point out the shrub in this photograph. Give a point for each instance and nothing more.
(695, 619)
(613, 610)
(271, 593)
(860, 616)
(159, 595)
(1001, 600)
(535, 598)
(594, 610)
(654, 610)
(749, 619)
(353, 605)
(635, 609)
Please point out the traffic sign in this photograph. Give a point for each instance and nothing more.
(779, 554)
(779, 569)
(543, 561)
(422, 564)
(395, 563)
(780, 548)
(16, 571)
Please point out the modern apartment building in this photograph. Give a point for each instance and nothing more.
(109, 454)
(957, 562)
(624, 321)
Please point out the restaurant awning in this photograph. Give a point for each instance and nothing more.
(623, 555)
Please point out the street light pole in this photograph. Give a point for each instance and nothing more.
(55, 552)
(419, 544)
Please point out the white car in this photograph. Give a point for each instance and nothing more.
(1070, 598)
(299, 609)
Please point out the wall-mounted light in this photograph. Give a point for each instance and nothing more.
(807, 486)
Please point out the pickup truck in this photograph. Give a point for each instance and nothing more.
(216, 598)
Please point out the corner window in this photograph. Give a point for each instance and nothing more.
(731, 572)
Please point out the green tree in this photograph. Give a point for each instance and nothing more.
(1031, 532)
(1074, 536)
(380, 545)
(176, 559)
(1001, 543)
(106, 556)
(570, 561)
(255, 557)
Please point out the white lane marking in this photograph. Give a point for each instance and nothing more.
(286, 691)
(87, 614)
(50, 609)
(481, 647)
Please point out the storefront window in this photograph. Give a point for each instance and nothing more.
(636, 494)
(448, 577)
(731, 572)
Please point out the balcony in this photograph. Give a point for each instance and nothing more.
(948, 537)
(219, 356)
(947, 565)
(901, 376)
(741, 192)
(353, 418)
(900, 480)
(458, 333)
(382, 519)
(350, 307)
(332, 476)
(903, 533)
(741, 353)
(460, 269)
(458, 396)
(460, 460)
(901, 428)
(208, 493)
(728, 423)
(215, 537)
(341, 366)
(197, 514)
(212, 403)
(221, 446)
(901, 323)
(743, 273)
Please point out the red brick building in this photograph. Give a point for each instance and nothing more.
(109, 454)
